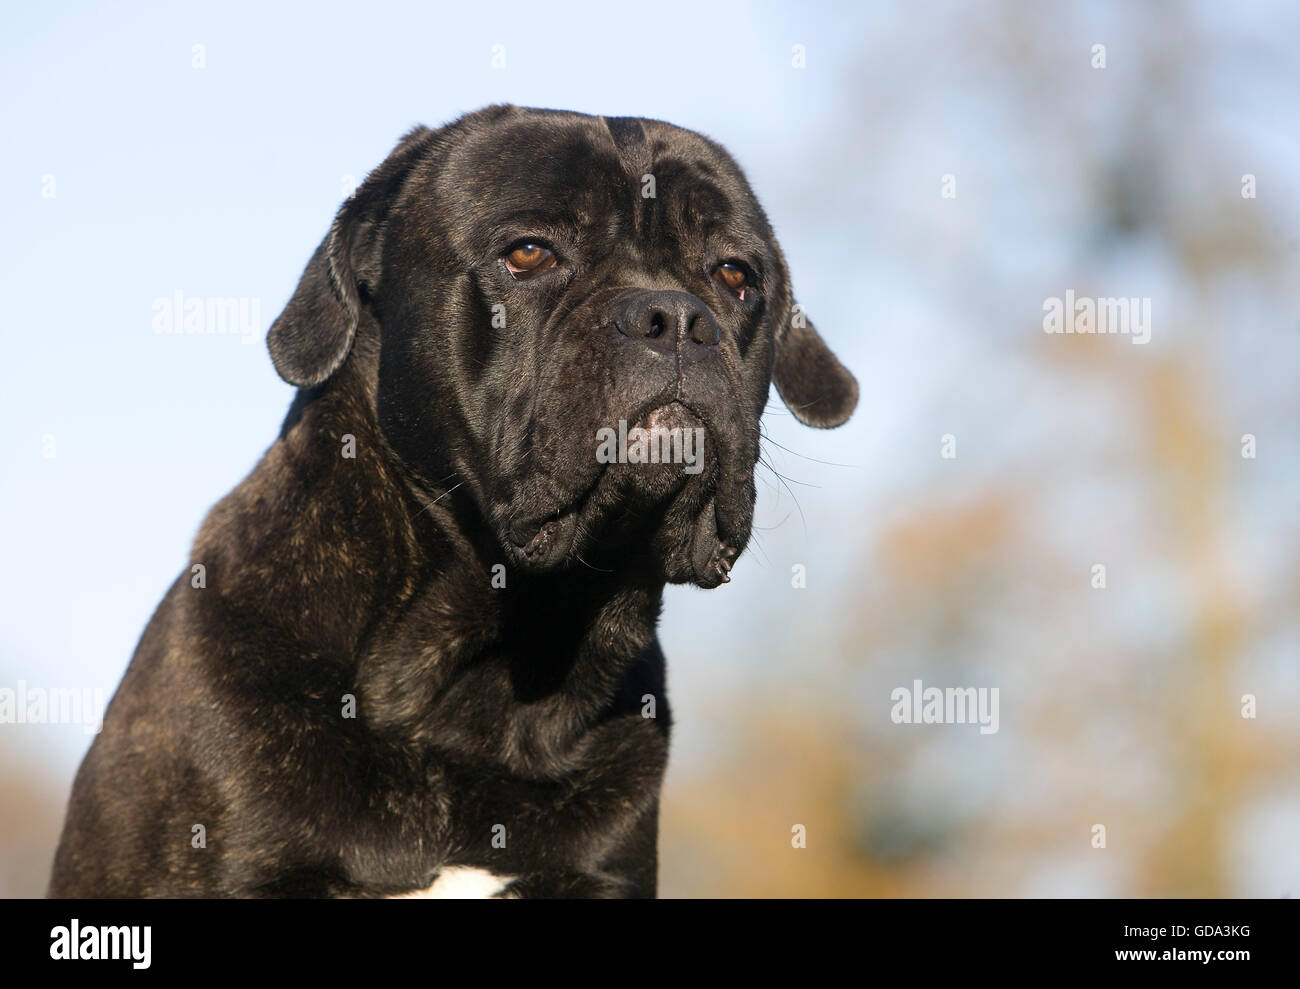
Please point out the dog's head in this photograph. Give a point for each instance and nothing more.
(577, 320)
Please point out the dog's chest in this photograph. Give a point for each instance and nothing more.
(460, 882)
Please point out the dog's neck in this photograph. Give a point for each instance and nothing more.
(547, 654)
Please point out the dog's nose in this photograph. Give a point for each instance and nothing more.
(666, 320)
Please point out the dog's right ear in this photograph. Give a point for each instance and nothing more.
(311, 339)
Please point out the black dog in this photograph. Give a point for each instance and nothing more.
(416, 652)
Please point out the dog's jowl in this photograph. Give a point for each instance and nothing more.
(421, 656)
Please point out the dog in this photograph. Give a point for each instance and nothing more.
(415, 652)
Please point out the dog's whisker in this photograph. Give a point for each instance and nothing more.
(438, 499)
(781, 477)
(828, 463)
(578, 556)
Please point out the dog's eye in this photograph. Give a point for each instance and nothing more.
(528, 259)
(732, 276)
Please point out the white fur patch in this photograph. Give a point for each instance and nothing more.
(460, 882)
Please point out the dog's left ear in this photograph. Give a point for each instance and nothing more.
(812, 382)
(312, 338)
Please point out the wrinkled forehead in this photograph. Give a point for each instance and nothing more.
(573, 173)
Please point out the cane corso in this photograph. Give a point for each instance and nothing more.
(414, 653)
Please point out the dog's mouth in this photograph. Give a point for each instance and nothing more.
(659, 487)
(539, 545)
